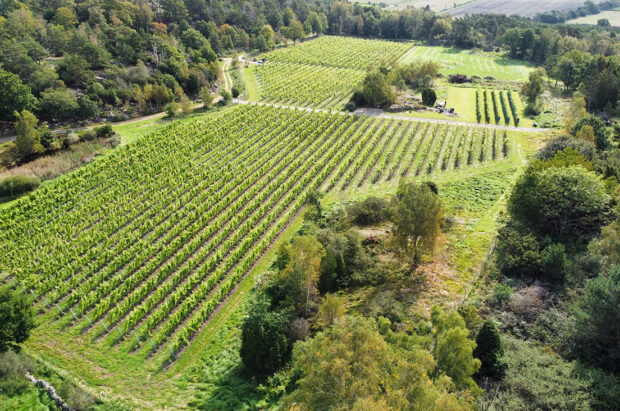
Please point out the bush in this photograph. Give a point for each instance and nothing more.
(372, 210)
(601, 135)
(71, 139)
(17, 185)
(565, 203)
(89, 135)
(429, 97)
(226, 97)
(264, 344)
(104, 131)
(585, 148)
(12, 379)
(458, 79)
(16, 319)
(597, 330)
(235, 92)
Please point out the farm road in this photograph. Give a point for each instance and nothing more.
(380, 113)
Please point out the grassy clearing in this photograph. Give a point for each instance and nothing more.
(252, 92)
(471, 63)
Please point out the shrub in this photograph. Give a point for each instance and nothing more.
(71, 139)
(104, 131)
(585, 148)
(12, 379)
(226, 97)
(89, 135)
(429, 97)
(372, 210)
(601, 135)
(16, 319)
(16, 185)
(235, 92)
(264, 344)
(566, 203)
(458, 79)
(528, 301)
(597, 330)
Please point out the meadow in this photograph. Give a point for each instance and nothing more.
(133, 254)
(612, 15)
(471, 63)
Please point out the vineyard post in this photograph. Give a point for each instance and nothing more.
(105, 326)
(136, 337)
(171, 353)
(72, 313)
(120, 332)
(46, 301)
(89, 321)
(153, 344)
(60, 309)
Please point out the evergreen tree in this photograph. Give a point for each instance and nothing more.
(490, 351)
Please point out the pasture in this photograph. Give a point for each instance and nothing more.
(612, 15)
(525, 8)
(471, 63)
(132, 255)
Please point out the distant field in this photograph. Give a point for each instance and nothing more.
(343, 52)
(612, 15)
(437, 5)
(454, 61)
(526, 8)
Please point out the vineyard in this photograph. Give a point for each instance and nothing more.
(497, 107)
(137, 249)
(306, 85)
(343, 52)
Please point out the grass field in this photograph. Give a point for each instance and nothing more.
(436, 5)
(525, 8)
(471, 63)
(141, 246)
(612, 15)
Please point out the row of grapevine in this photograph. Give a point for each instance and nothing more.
(513, 108)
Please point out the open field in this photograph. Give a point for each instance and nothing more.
(343, 52)
(471, 63)
(612, 15)
(525, 8)
(306, 85)
(436, 5)
(133, 253)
